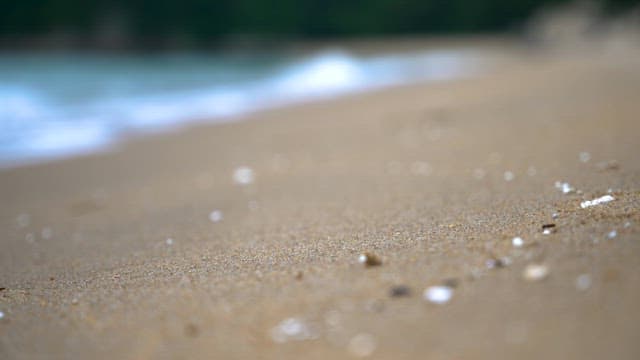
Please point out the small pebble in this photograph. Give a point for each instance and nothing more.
(169, 241)
(1, 315)
(368, 259)
(596, 201)
(74, 301)
(548, 229)
(555, 216)
(583, 282)
(612, 234)
(243, 175)
(495, 263)
(293, 329)
(564, 187)
(400, 291)
(584, 157)
(509, 176)
(517, 241)
(438, 294)
(215, 216)
(535, 272)
(362, 345)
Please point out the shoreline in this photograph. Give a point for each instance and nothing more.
(319, 73)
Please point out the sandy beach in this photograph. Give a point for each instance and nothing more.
(241, 240)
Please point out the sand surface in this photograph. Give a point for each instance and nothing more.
(416, 175)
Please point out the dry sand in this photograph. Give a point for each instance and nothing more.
(86, 270)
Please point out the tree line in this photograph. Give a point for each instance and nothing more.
(211, 20)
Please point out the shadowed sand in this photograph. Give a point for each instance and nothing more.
(414, 175)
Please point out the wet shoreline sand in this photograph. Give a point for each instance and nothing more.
(435, 180)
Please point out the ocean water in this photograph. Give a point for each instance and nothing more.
(64, 104)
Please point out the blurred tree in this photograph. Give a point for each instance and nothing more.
(159, 21)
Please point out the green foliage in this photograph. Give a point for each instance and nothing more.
(205, 20)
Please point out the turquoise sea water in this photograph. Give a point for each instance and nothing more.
(63, 104)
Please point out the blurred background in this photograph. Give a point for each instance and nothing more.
(77, 75)
(120, 24)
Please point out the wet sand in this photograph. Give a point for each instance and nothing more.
(435, 180)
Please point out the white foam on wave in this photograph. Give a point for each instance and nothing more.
(41, 121)
(327, 74)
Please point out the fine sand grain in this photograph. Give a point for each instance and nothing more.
(119, 256)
